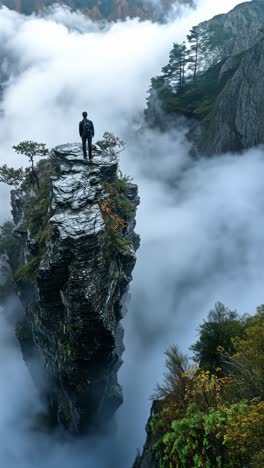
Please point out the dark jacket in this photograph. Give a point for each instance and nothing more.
(81, 127)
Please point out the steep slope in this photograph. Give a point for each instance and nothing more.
(72, 279)
(102, 9)
(223, 101)
(236, 121)
(237, 30)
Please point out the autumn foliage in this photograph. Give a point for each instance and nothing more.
(214, 418)
(117, 211)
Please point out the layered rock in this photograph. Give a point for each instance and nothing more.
(74, 305)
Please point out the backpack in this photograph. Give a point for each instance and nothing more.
(87, 129)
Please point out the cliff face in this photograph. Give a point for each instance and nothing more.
(224, 101)
(148, 458)
(103, 9)
(237, 30)
(236, 121)
(74, 303)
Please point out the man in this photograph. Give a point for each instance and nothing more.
(86, 130)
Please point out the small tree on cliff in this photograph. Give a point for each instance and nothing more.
(31, 149)
(111, 143)
(199, 41)
(174, 72)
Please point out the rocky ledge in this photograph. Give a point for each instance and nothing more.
(73, 305)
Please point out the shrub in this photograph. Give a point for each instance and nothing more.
(28, 272)
(117, 210)
(37, 212)
(111, 144)
(244, 433)
(214, 419)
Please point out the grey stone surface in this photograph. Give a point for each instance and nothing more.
(237, 120)
(238, 29)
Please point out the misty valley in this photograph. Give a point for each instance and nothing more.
(131, 234)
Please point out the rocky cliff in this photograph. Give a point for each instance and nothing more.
(224, 103)
(72, 280)
(237, 30)
(103, 9)
(148, 457)
(236, 121)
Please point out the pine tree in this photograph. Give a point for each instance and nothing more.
(174, 72)
(199, 42)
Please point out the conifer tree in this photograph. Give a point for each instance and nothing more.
(199, 41)
(174, 72)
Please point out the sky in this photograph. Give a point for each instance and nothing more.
(201, 236)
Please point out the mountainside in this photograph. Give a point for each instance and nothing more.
(102, 9)
(215, 82)
(236, 121)
(77, 253)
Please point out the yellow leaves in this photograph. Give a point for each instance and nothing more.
(108, 208)
(245, 430)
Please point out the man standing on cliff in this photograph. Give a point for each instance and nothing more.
(86, 130)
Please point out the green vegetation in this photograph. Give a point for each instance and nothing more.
(36, 209)
(195, 99)
(11, 176)
(116, 209)
(37, 213)
(191, 82)
(214, 416)
(111, 144)
(28, 176)
(31, 149)
(217, 331)
(9, 244)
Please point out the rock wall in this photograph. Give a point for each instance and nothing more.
(236, 122)
(148, 459)
(237, 30)
(74, 306)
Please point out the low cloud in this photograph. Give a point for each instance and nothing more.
(200, 222)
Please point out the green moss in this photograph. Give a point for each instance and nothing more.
(64, 345)
(117, 210)
(28, 272)
(37, 212)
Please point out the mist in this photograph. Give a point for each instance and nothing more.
(200, 221)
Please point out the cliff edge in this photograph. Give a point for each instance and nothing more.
(77, 254)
